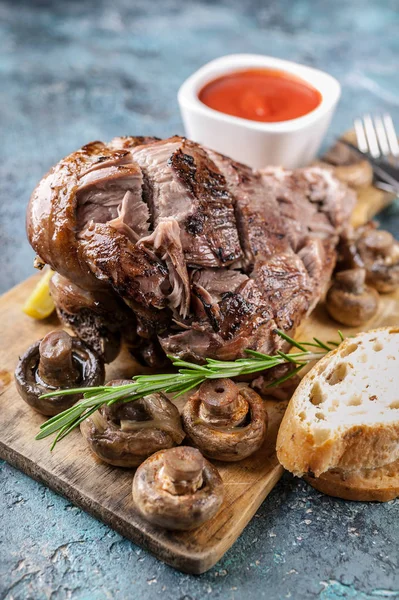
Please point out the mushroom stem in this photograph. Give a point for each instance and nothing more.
(349, 300)
(221, 402)
(182, 471)
(56, 365)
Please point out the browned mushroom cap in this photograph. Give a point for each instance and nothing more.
(375, 250)
(349, 300)
(126, 433)
(224, 421)
(348, 167)
(58, 361)
(177, 489)
(379, 252)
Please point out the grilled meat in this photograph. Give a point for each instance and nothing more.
(198, 254)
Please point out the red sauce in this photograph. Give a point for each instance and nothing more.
(261, 95)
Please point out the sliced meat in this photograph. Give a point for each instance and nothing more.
(165, 243)
(319, 258)
(261, 228)
(90, 185)
(133, 217)
(51, 216)
(191, 344)
(243, 321)
(247, 322)
(218, 282)
(212, 222)
(287, 289)
(133, 273)
(184, 184)
(312, 201)
(164, 194)
(193, 249)
(209, 286)
(104, 190)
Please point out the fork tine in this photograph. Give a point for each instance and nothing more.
(391, 135)
(360, 135)
(381, 136)
(371, 136)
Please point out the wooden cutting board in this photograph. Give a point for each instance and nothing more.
(105, 491)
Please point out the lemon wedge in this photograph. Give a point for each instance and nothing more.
(40, 304)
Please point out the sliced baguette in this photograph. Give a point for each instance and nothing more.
(345, 412)
(366, 485)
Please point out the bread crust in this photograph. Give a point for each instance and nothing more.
(366, 485)
(358, 447)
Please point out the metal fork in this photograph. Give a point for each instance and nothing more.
(377, 137)
(377, 140)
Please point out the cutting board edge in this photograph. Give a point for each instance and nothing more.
(198, 562)
(193, 564)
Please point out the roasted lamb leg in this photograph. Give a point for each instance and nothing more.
(201, 256)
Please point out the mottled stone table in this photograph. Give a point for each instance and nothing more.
(81, 70)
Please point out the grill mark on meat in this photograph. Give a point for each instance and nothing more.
(186, 186)
(287, 288)
(116, 159)
(218, 281)
(280, 226)
(128, 142)
(133, 273)
(261, 229)
(312, 201)
(245, 321)
(235, 309)
(51, 215)
(147, 195)
(166, 196)
(207, 307)
(202, 180)
(213, 217)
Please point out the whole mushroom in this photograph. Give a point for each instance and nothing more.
(58, 361)
(349, 300)
(375, 250)
(348, 167)
(177, 489)
(225, 421)
(379, 252)
(126, 433)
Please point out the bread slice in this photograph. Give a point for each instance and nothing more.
(345, 412)
(366, 485)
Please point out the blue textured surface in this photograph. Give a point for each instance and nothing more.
(75, 71)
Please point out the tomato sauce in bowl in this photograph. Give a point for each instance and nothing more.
(266, 95)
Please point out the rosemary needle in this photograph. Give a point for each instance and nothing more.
(187, 377)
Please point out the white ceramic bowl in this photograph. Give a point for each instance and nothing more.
(291, 143)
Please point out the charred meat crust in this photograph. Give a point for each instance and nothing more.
(214, 217)
(125, 266)
(157, 224)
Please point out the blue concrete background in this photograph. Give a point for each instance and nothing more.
(81, 70)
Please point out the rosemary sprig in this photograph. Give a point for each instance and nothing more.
(188, 376)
